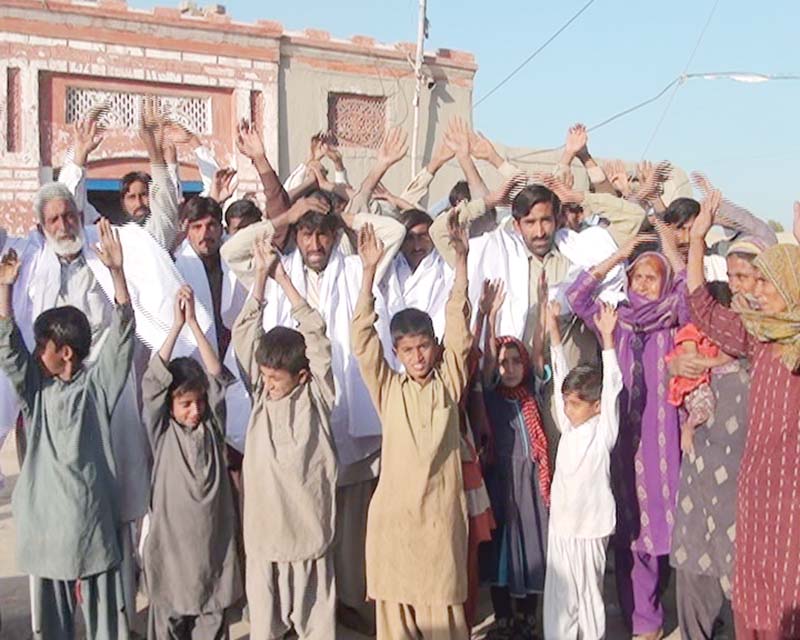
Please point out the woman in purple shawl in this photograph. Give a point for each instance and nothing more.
(646, 461)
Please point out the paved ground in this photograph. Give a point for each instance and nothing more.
(14, 603)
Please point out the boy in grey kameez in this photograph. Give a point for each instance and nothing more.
(190, 560)
(289, 465)
(64, 501)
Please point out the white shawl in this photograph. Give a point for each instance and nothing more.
(237, 402)
(502, 254)
(355, 423)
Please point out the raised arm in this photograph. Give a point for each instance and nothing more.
(457, 337)
(734, 216)
(87, 136)
(392, 150)
(366, 343)
(490, 338)
(577, 146)
(458, 137)
(719, 323)
(163, 223)
(669, 245)
(558, 360)
(248, 328)
(110, 371)
(15, 360)
(606, 322)
(417, 189)
(250, 144)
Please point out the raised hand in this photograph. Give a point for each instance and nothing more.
(617, 175)
(652, 179)
(503, 195)
(320, 176)
(552, 314)
(632, 243)
(481, 147)
(265, 256)
(370, 248)
(606, 320)
(109, 249)
(393, 147)
(702, 182)
(334, 155)
(184, 312)
(248, 140)
(458, 235)
(222, 186)
(708, 212)
(87, 136)
(577, 139)
(319, 146)
(491, 290)
(564, 193)
(442, 154)
(303, 205)
(179, 133)
(457, 136)
(9, 268)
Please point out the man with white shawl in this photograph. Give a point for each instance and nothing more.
(329, 280)
(60, 267)
(521, 252)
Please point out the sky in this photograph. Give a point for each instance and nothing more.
(746, 137)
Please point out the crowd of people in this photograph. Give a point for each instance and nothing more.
(346, 409)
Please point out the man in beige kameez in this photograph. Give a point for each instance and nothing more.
(417, 522)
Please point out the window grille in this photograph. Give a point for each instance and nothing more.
(357, 120)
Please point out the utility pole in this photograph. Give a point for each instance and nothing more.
(422, 33)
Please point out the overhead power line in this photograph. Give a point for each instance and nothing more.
(747, 77)
(678, 86)
(520, 66)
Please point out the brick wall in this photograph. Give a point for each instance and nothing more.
(47, 49)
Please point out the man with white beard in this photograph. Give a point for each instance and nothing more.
(61, 267)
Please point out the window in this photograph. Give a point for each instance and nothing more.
(357, 120)
(122, 109)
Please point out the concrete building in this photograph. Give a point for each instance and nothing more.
(60, 57)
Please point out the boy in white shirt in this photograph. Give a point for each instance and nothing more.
(582, 510)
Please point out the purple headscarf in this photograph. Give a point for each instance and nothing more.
(643, 315)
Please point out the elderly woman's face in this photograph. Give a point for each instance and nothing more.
(769, 298)
(646, 280)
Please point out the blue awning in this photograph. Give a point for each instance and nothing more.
(103, 184)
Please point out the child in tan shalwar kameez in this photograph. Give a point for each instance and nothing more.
(417, 522)
(289, 466)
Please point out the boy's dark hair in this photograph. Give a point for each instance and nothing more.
(282, 348)
(459, 192)
(246, 210)
(410, 322)
(720, 291)
(65, 326)
(532, 195)
(187, 375)
(680, 211)
(586, 381)
(198, 207)
(411, 218)
(129, 178)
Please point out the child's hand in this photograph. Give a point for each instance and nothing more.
(265, 256)
(178, 311)
(458, 235)
(492, 289)
(552, 315)
(687, 441)
(9, 268)
(370, 248)
(606, 320)
(109, 249)
(186, 296)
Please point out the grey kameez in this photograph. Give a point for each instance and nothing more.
(190, 560)
(64, 501)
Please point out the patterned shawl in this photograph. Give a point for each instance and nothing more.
(642, 315)
(781, 265)
(523, 394)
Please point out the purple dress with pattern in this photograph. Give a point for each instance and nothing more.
(646, 460)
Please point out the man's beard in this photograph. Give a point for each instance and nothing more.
(66, 246)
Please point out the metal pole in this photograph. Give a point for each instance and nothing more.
(422, 28)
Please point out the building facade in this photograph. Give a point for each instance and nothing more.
(61, 58)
